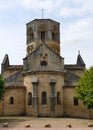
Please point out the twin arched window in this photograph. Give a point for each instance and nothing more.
(43, 33)
(44, 98)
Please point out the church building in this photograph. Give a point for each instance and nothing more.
(44, 86)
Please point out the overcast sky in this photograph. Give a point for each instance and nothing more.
(76, 27)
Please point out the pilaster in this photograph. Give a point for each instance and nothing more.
(52, 98)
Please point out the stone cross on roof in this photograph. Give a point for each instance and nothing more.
(42, 12)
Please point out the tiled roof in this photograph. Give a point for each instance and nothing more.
(17, 77)
(71, 77)
(80, 61)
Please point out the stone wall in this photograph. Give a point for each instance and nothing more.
(69, 108)
(44, 79)
(18, 107)
(33, 61)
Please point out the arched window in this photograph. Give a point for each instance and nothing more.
(44, 98)
(43, 63)
(58, 98)
(42, 31)
(11, 100)
(29, 98)
(75, 101)
(30, 34)
(55, 33)
(53, 36)
(43, 35)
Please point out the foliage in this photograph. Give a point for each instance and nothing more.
(84, 90)
(2, 87)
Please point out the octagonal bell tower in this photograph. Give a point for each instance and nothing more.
(43, 31)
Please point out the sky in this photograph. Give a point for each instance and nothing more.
(76, 27)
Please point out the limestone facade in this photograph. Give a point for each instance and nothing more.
(44, 85)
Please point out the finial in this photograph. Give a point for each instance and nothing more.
(42, 12)
(78, 52)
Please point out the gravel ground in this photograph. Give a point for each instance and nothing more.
(16, 123)
(53, 128)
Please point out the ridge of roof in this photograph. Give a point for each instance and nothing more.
(42, 20)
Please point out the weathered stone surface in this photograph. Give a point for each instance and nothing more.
(43, 72)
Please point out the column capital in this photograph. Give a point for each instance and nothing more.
(34, 81)
(52, 81)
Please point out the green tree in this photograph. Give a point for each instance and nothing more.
(2, 87)
(84, 90)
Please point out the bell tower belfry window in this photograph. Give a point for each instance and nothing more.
(43, 35)
(43, 31)
(30, 35)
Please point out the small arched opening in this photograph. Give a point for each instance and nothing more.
(11, 100)
(58, 98)
(44, 98)
(30, 35)
(29, 98)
